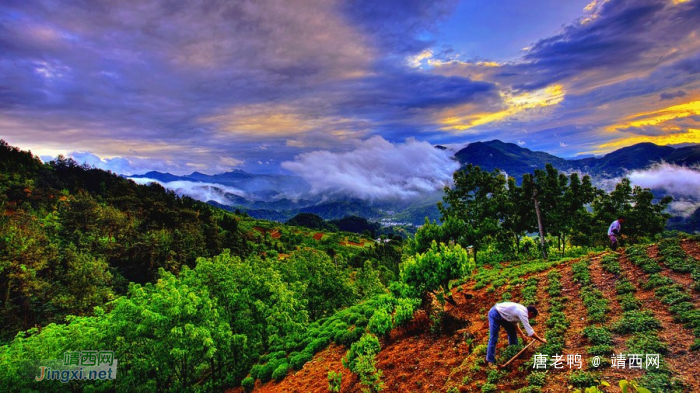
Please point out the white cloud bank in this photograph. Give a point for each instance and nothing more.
(683, 183)
(676, 180)
(200, 191)
(377, 169)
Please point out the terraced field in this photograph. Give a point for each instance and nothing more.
(602, 314)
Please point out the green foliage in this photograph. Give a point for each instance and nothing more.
(596, 304)
(489, 388)
(493, 376)
(334, 381)
(628, 302)
(434, 269)
(636, 321)
(280, 372)
(647, 342)
(248, 384)
(380, 323)
(582, 379)
(537, 378)
(610, 264)
(368, 345)
(632, 386)
(598, 335)
(638, 256)
(328, 288)
(624, 287)
(404, 310)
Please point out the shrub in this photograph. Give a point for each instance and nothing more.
(368, 345)
(435, 268)
(280, 372)
(350, 336)
(657, 280)
(248, 383)
(404, 311)
(380, 323)
(489, 388)
(298, 360)
(600, 350)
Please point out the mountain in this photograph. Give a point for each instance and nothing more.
(249, 185)
(516, 160)
(508, 157)
(281, 197)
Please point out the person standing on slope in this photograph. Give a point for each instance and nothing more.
(507, 315)
(614, 231)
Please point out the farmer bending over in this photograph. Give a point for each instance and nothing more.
(614, 231)
(507, 315)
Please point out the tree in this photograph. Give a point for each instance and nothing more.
(327, 287)
(475, 200)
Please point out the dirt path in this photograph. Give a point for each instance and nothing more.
(692, 248)
(680, 359)
(576, 314)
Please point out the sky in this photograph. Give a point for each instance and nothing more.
(276, 86)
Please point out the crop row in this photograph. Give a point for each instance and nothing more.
(673, 256)
(497, 276)
(643, 326)
(597, 305)
(677, 297)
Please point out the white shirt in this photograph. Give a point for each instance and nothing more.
(514, 312)
(613, 227)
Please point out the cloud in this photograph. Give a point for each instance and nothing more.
(139, 165)
(377, 169)
(201, 191)
(676, 180)
(671, 95)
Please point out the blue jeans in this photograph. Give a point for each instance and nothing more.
(495, 323)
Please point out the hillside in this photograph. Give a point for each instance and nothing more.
(600, 304)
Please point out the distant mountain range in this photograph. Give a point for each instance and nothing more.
(516, 161)
(280, 197)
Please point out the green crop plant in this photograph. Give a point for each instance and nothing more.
(598, 335)
(335, 380)
(580, 272)
(628, 302)
(582, 379)
(494, 376)
(647, 342)
(537, 378)
(624, 286)
(610, 264)
(637, 321)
